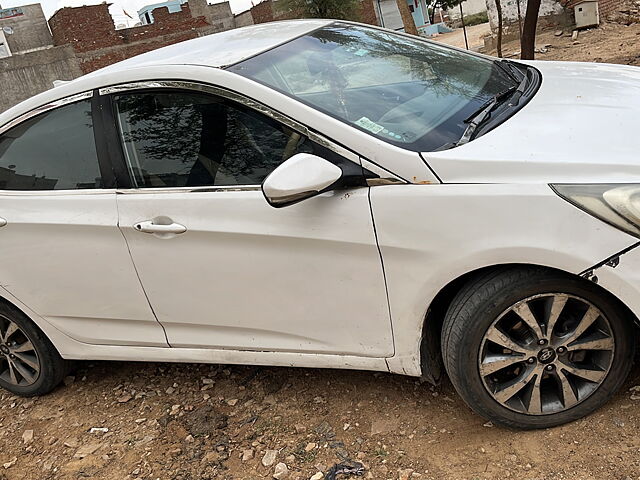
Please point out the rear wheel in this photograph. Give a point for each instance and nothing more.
(530, 348)
(29, 364)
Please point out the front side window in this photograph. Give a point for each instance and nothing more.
(55, 150)
(191, 139)
(406, 91)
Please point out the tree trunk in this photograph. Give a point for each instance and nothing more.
(528, 40)
(499, 42)
(407, 18)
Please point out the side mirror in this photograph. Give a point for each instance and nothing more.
(302, 176)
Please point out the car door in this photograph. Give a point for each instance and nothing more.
(61, 252)
(221, 268)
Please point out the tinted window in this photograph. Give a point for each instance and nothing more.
(181, 139)
(402, 89)
(53, 151)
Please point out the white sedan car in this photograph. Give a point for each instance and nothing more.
(329, 194)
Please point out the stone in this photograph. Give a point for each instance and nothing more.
(300, 428)
(10, 463)
(124, 398)
(86, 450)
(405, 474)
(247, 455)
(72, 443)
(574, 35)
(558, 33)
(281, 471)
(27, 437)
(269, 458)
(317, 476)
(232, 402)
(309, 447)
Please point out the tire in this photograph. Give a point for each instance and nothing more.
(51, 368)
(555, 382)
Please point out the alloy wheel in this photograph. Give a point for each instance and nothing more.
(546, 354)
(19, 361)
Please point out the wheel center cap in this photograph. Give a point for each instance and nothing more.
(546, 355)
(4, 349)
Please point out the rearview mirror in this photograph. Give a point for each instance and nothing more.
(302, 176)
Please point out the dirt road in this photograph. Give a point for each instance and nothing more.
(610, 43)
(199, 422)
(475, 36)
(188, 422)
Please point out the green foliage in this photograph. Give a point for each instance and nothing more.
(340, 9)
(476, 19)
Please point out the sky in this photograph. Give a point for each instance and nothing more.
(116, 10)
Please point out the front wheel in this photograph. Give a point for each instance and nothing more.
(529, 348)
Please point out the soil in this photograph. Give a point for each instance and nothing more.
(199, 422)
(610, 43)
(188, 422)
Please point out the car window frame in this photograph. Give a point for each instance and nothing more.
(125, 182)
(109, 181)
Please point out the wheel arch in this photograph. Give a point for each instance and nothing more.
(431, 362)
(55, 336)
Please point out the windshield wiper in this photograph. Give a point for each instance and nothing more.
(478, 117)
(507, 69)
(515, 98)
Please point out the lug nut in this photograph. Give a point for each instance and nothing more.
(531, 360)
(549, 367)
(561, 349)
(542, 341)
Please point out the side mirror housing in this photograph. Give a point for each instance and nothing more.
(298, 178)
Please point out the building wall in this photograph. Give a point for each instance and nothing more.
(469, 7)
(22, 76)
(265, 12)
(551, 13)
(30, 30)
(625, 12)
(91, 31)
(244, 19)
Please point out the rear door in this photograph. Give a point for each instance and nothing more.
(223, 269)
(61, 252)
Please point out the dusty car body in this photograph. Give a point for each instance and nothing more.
(361, 251)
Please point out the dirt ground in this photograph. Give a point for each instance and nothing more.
(610, 43)
(187, 422)
(475, 34)
(199, 422)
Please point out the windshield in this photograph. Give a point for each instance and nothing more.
(406, 91)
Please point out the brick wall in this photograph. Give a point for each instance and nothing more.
(86, 28)
(620, 11)
(265, 12)
(91, 32)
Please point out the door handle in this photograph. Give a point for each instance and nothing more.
(149, 227)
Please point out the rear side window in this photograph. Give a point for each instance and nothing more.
(189, 139)
(53, 151)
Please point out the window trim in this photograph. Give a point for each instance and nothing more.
(104, 165)
(45, 108)
(243, 100)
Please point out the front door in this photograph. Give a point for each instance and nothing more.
(223, 269)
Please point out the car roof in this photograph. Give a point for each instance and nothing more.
(217, 50)
(224, 48)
